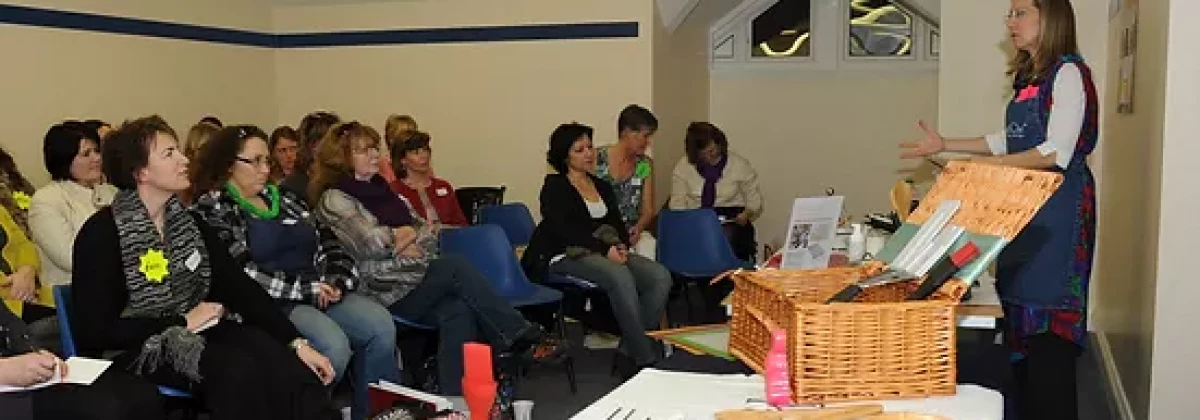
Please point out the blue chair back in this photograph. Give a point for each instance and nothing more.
(514, 218)
(489, 250)
(692, 243)
(62, 300)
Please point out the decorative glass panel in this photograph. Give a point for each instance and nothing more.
(879, 29)
(783, 30)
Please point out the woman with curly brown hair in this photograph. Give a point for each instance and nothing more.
(397, 256)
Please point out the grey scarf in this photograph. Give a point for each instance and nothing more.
(155, 294)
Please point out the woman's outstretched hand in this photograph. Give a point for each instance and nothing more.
(931, 143)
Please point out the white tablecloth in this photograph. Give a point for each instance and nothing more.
(662, 395)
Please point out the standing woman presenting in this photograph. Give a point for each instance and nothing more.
(1051, 124)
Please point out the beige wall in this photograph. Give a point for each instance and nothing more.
(490, 107)
(52, 74)
(1175, 380)
(806, 131)
(1129, 205)
(681, 87)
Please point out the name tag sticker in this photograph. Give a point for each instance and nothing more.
(441, 192)
(637, 182)
(289, 221)
(193, 260)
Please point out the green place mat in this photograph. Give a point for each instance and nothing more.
(713, 341)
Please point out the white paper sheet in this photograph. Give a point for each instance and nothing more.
(811, 232)
(80, 370)
(658, 394)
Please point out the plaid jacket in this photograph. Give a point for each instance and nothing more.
(333, 265)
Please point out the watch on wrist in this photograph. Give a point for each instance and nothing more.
(295, 344)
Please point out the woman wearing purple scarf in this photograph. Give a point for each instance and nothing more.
(710, 177)
(397, 256)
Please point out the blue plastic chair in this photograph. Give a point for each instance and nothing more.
(62, 301)
(487, 248)
(514, 218)
(692, 245)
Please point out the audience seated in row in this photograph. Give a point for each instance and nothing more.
(277, 241)
(711, 176)
(433, 198)
(397, 256)
(148, 273)
(577, 209)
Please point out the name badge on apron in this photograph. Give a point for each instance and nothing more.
(441, 192)
(289, 222)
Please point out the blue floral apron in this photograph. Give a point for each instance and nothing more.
(1043, 275)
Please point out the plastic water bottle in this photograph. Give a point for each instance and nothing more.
(779, 385)
(858, 243)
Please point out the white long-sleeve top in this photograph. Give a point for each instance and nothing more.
(56, 213)
(1067, 113)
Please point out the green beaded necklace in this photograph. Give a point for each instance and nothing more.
(272, 199)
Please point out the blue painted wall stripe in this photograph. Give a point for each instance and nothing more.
(47, 18)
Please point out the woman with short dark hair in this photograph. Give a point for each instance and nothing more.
(312, 129)
(59, 209)
(284, 145)
(712, 177)
(153, 284)
(582, 234)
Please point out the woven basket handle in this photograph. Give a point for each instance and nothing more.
(724, 276)
(762, 318)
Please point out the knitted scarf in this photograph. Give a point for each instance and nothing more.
(157, 293)
(711, 174)
(379, 199)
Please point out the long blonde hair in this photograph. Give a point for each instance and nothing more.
(1056, 39)
(332, 161)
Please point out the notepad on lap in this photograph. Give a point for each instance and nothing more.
(80, 371)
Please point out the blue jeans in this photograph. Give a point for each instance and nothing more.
(463, 305)
(354, 326)
(638, 292)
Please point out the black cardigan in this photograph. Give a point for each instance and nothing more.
(567, 222)
(99, 293)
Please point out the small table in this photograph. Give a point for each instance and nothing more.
(666, 395)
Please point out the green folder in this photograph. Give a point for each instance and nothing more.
(989, 248)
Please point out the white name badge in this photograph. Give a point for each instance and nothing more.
(289, 221)
(441, 192)
(637, 182)
(193, 260)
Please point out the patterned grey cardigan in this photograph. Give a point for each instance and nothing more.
(387, 276)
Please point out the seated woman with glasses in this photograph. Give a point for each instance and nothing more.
(156, 289)
(278, 242)
(398, 261)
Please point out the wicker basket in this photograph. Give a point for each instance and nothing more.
(879, 346)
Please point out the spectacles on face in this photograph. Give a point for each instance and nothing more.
(258, 162)
(1017, 14)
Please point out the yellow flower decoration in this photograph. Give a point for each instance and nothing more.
(154, 265)
(21, 199)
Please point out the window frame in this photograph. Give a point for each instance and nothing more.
(829, 43)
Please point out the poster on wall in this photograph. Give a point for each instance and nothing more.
(1127, 24)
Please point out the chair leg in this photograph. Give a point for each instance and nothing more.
(562, 336)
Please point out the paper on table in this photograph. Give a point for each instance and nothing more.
(80, 370)
(660, 394)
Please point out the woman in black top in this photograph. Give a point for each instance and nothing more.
(582, 235)
(150, 281)
(115, 395)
